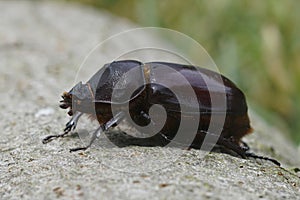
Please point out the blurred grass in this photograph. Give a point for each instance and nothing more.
(255, 43)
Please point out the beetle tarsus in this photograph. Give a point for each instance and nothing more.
(95, 135)
(243, 150)
(79, 149)
(49, 138)
(252, 155)
(71, 125)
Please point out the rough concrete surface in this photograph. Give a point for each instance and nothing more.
(41, 47)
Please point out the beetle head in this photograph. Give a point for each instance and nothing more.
(78, 98)
(66, 102)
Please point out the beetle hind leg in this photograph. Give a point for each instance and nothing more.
(231, 145)
(243, 150)
(245, 146)
(252, 155)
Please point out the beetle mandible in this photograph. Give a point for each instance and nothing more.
(95, 98)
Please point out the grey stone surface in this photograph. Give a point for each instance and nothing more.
(41, 47)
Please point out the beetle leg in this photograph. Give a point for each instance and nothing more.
(71, 125)
(104, 127)
(245, 146)
(242, 151)
(146, 116)
(252, 155)
(115, 120)
(95, 135)
(228, 143)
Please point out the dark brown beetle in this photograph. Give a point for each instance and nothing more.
(110, 87)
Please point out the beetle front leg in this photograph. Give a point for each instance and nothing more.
(71, 125)
(104, 127)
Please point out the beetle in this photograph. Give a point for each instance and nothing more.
(114, 86)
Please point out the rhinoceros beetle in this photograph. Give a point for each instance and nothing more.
(110, 87)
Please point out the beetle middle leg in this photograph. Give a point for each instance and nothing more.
(71, 125)
(104, 127)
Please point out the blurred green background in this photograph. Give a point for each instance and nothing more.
(255, 43)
